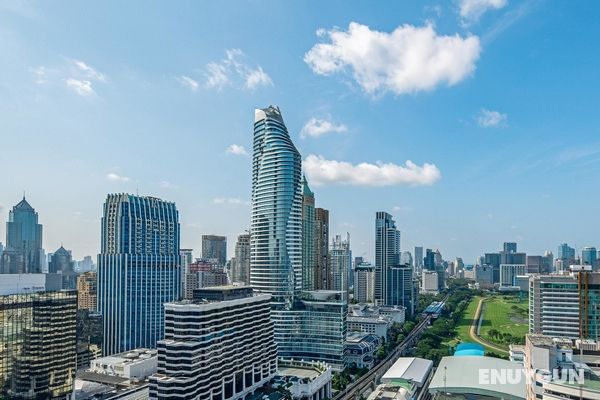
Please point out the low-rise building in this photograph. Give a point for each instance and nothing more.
(406, 379)
(360, 349)
(556, 369)
(429, 282)
(516, 353)
(377, 326)
(136, 364)
(304, 380)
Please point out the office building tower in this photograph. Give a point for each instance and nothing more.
(406, 259)
(429, 260)
(399, 290)
(418, 259)
(510, 247)
(309, 325)
(23, 251)
(509, 272)
(309, 254)
(493, 260)
(535, 265)
(215, 248)
(323, 276)
(548, 262)
(314, 329)
(364, 282)
(240, 266)
(566, 253)
(341, 263)
(565, 305)
(387, 251)
(89, 337)
(236, 358)
(588, 256)
(430, 282)
(62, 263)
(38, 337)
(187, 257)
(87, 291)
(276, 231)
(139, 269)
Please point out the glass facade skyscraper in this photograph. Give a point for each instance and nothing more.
(276, 231)
(387, 251)
(138, 270)
(215, 248)
(307, 325)
(38, 344)
(23, 252)
(309, 254)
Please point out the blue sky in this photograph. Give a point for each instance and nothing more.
(494, 102)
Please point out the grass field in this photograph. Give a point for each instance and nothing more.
(507, 314)
(462, 329)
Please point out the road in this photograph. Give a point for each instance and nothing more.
(377, 371)
(479, 339)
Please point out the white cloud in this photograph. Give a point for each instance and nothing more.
(401, 208)
(82, 88)
(490, 118)
(472, 10)
(167, 185)
(256, 78)
(89, 71)
(320, 171)
(40, 74)
(407, 60)
(230, 200)
(188, 82)
(232, 70)
(318, 127)
(116, 177)
(236, 149)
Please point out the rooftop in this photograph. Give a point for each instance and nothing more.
(410, 369)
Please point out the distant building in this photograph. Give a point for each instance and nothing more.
(323, 275)
(215, 248)
(23, 251)
(387, 252)
(430, 282)
(61, 262)
(309, 242)
(89, 337)
(241, 330)
(38, 337)
(418, 259)
(566, 254)
(341, 263)
(589, 256)
(364, 286)
(399, 289)
(406, 258)
(139, 269)
(508, 273)
(87, 288)
(240, 266)
(484, 276)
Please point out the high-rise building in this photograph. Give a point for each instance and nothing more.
(187, 257)
(23, 251)
(418, 259)
(400, 290)
(510, 247)
(509, 272)
(310, 325)
(341, 263)
(89, 337)
(215, 248)
(237, 357)
(565, 305)
(566, 254)
(87, 291)
(387, 251)
(276, 231)
(406, 259)
(62, 263)
(139, 269)
(323, 275)
(429, 260)
(588, 256)
(240, 266)
(38, 337)
(309, 243)
(364, 283)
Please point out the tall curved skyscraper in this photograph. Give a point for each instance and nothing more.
(276, 230)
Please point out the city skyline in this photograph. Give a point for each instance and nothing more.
(498, 126)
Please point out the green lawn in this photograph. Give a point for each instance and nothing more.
(462, 328)
(507, 314)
